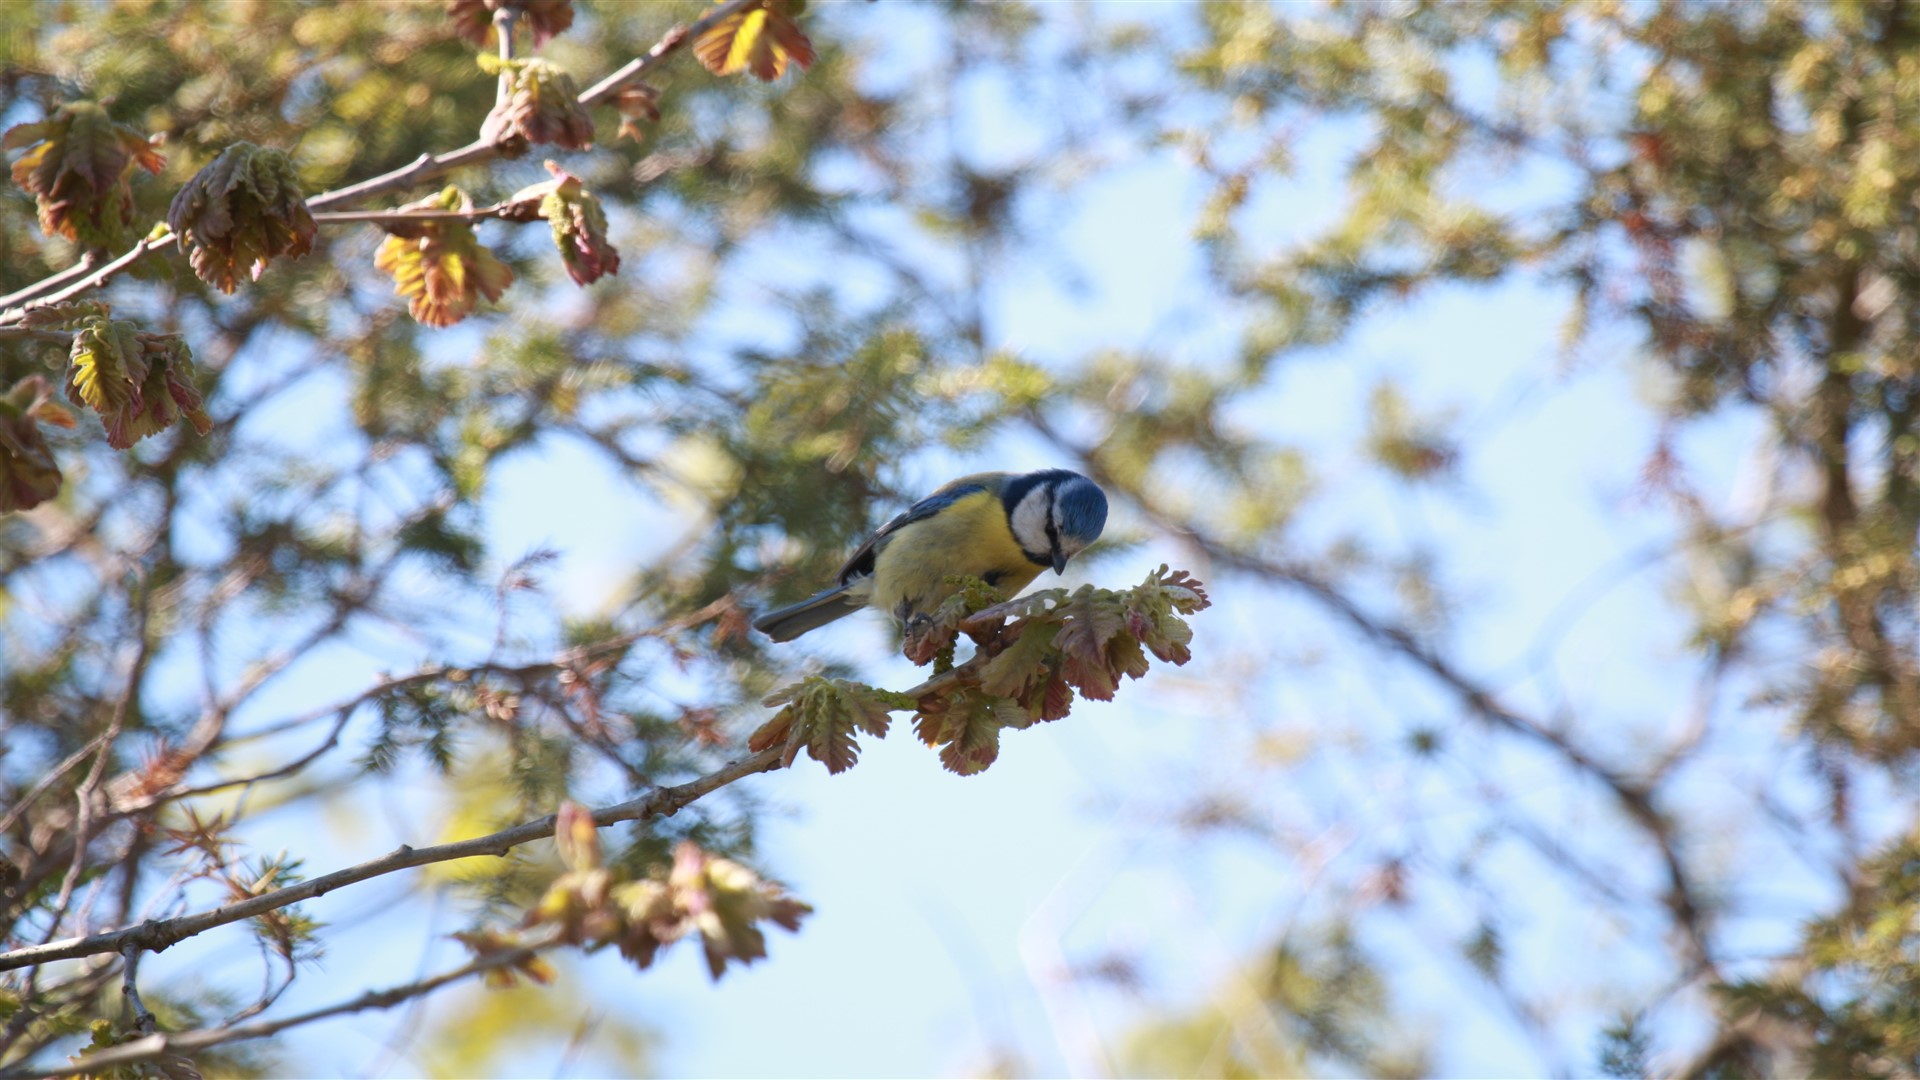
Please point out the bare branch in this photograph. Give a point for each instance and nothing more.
(87, 262)
(129, 990)
(523, 210)
(153, 1047)
(95, 279)
(21, 333)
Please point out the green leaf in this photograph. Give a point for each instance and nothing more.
(139, 384)
(822, 715)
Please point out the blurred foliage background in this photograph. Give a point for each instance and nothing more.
(1685, 846)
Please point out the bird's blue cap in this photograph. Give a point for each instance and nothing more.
(1083, 509)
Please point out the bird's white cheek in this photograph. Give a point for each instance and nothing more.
(1029, 522)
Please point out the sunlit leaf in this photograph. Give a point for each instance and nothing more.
(439, 266)
(139, 384)
(541, 106)
(78, 167)
(579, 229)
(760, 39)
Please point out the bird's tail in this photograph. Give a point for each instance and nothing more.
(787, 623)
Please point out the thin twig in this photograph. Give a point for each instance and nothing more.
(21, 333)
(51, 778)
(99, 277)
(87, 262)
(143, 1020)
(161, 934)
(522, 210)
(158, 1045)
(84, 797)
(1634, 796)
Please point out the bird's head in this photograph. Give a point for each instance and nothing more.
(1054, 515)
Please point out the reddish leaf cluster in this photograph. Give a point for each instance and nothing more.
(240, 211)
(473, 19)
(637, 101)
(541, 106)
(821, 715)
(929, 637)
(78, 169)
(760, 39)
(486, 943)
(579, 228)
(717, 899)
(28, 475)
(1035, 652)
(439, 266)
(1058, 643)
(140, 384)
(965, 726)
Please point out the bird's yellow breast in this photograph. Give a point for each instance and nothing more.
(968, 537)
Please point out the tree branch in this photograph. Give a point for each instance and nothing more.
(97, 278)
(1635, 798)
(160, 934)
(156, 1046)
(421, 169)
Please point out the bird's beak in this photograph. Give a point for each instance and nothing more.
(1059, 561)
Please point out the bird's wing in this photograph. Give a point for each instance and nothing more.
(860, 563)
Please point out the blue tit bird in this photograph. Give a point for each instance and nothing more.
(1003, 528)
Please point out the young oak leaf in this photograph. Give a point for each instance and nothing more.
(928, 636)
(488, 943)
(637, 101)
(140, 384)
(1092, 619)
(242, 210)
(725, 903)
(28, 473)
(168, 394)
(760, 39)
(966, 728)
(1026, 671)
(576, 838)
(473, 19)
(579, 229)
(439, 266)
(822, 715)
(541, 105)
(78, 168)
(1154, 608)
(579, 905)
(64, 316)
